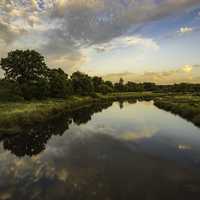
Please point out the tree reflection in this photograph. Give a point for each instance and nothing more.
(32, 140)
(103, 168)
(84, 115)
(121, 104)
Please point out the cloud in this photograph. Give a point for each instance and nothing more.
(33, 19)
(69, 26)
(185, 30)
(98, 21)
(187, 68)
(145, 133)
(68, 62)
(9, 33)
(128, 41)
(187, 73)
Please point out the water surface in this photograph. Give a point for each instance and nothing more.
(130, 150)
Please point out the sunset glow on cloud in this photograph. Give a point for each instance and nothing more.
(107, 36)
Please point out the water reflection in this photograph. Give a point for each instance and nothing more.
(101, 167)
(33, 140)
(115, 154)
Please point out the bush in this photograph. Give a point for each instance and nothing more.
(10, 91)
(35, 90)
(60, 85)
(105, 89)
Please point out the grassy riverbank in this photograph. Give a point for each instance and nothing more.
(185, 105)
(14, 115)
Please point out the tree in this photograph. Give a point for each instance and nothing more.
(119, 87)
(10, 90)
(97, 81)
(35, 89)
(131, 86)
(82, 84)
(109, 83)
(29, 70)
(23, 66)
(60, 85)
(148, 86)
(105, 89)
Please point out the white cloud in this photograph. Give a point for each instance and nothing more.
(145, 42)
(70, 25)
(187, 68)
(187, 73)
(185, 30)
(128, 41)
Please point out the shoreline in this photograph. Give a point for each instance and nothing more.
(189, 110)
(13, 116)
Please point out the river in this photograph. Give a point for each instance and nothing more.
(121, 150)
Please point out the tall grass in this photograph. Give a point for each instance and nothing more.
(187, 106)
(14, 115)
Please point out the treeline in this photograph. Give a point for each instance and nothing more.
(148, 86)
(28, 77)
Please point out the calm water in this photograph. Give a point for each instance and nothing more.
(104, 152)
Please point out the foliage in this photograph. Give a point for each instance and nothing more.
(60, 85)
(28, 77)
(120, 87)
(10, 91)
(23, 66)
(105, 89)
(28, 69)
(35, 89)
(82, 84)
(97, 82)
(186, 105)
(109, 83)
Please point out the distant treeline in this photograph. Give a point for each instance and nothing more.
(28, 77)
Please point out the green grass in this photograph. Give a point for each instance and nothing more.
(130, 95)
(14, 115)
(185, 105)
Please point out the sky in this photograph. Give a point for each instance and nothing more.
(138, 40)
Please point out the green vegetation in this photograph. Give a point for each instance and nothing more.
(30, 92)
(27, 77)
(13, 115)
(185, 105)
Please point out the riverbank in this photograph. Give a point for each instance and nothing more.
(185, 105)
(13, 115)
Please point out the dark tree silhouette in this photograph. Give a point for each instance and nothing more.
(60, 85)
(82, 83)
(97, 82)
(24, 66)
(29, 70)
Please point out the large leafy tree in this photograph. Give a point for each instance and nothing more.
(97, 81)
(82, 84)
(60, 85)
(28, 69)
(24, 66)
(120, 86)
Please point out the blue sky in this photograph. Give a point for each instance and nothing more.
(176, 48)
(107, 37)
